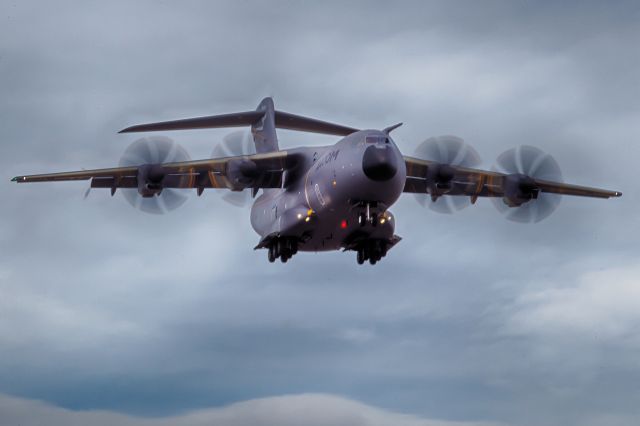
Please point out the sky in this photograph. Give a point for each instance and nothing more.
(109, 315)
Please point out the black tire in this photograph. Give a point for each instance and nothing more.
(376, 250)
(360, 257)
(272, 254)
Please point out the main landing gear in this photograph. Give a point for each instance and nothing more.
(283, 248)
(371, 250)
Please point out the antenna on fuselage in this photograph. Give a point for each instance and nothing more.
(389, 129)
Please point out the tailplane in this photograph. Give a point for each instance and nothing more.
(263, 121)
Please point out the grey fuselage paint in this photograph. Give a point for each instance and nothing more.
(330, 186)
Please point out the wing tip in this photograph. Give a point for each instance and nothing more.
(142, 128)
(17, 178)
(617, 194)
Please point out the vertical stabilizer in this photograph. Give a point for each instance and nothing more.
(264, 130)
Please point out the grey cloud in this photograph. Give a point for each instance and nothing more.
(103, 307)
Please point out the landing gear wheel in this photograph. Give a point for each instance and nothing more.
(283, 248)
(371, 250)
(272, 253)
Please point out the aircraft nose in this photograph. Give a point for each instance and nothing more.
(380, 163)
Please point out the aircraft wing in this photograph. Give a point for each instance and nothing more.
(483, 183)
(234, 173)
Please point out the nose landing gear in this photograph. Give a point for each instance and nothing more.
(370, 213)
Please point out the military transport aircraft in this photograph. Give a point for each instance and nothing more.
(331, 197)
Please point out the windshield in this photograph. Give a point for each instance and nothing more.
(377, 139)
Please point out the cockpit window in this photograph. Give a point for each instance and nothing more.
(376, 139)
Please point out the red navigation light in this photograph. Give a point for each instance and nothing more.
(343, 224)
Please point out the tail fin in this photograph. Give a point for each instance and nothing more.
(264, 130)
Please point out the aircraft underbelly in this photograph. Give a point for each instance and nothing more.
(334, 230)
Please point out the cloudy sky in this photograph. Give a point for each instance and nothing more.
(109, 315)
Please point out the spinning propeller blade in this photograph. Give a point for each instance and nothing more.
(528, 161)
(154, 150)
(445, 150)
(236, 144)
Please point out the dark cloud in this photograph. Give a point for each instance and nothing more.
(470, 317)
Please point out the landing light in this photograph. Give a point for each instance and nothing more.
(382, 221)
(310, 212)
(299, 215)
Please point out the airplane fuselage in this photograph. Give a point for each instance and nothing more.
(337, 197)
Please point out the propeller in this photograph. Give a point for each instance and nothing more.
(154, 150)
(446, 151)
(236, 144)
(523, 202)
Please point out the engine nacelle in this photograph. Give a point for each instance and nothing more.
(519, 189)
(242, 173)
(150, 177)
(439, 179)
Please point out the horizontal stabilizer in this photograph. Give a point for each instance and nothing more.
(226, 120)
(283, 120)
